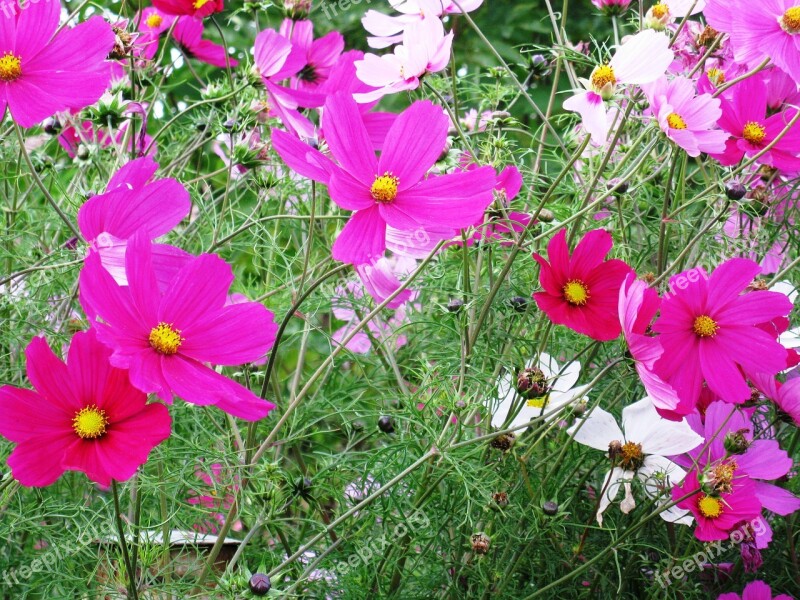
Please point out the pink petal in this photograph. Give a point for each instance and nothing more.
(200, 289)
(363, 239)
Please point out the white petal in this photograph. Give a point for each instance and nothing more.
(628, 503)
(597, 430)
(611, 485)
(643, 425)
(643, 58)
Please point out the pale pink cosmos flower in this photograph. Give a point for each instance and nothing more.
(662, 14)
(387, 30)
(642, 59)
(382, 279)
(688, 119)
(425, 49)
(612, 7)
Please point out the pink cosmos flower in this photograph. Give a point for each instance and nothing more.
(151, 24)
(785, 395)
(391, 191)
(688, 120)
(755, 590)
(638, 305)
(387, 30)
(315, 57)
(221, 486)
(193, 8)
(382, 279)
(166, 339)
(43, 72)
(759, 30)
(383, 330)
(642, 59)
(719, 513)
(744, 117)
(709, 330)
(425, 49)
(188, 34)
(581, 290)
(662, 14)
(84, 416)
(612, 7)
(134, 202)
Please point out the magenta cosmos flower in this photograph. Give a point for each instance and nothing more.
(43, 72)
(192, 8)
(612, 7)
(755, 590)
(84, 416)
(709, 330)
(391, 191)
(151, 24)
(188, 34)
(744, 117)
(166, 339)
(581, 290)
(688, 119)
(642, 59)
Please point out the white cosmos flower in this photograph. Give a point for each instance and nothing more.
(560, 386)
(644, 440)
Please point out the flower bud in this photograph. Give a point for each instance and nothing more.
(455, 305)
(386, 425)
(734, 190)
(532, 383)
(260, 584)
(504, 442)
(735, 442)
(550, 508)
(519, 304)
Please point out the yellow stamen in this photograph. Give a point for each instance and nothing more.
(754, 132)
(10, 67)
(790, 21)
(715, 76)
(165, 339)
(90, 422)
(709, 507)
(155, 20)
(385, 188)
(631, 456)
(660, 10)
(539, 402)
(576, 292)
(602, 76)
(198, 4)
(704, 326)
(675, 121)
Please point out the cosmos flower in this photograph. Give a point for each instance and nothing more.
(642, 59)
(83, 416)
(134, 202)
(638, 450)
(188, 34)
(425, 49)
(43, 72)
(151, 24)
(662, 14)
(755, 590)
(392, 190)
(710, 332)
(581, 290)
(167, 339)
(688, 119)
(545, 388)
(612, 7)
(315, 58)
(193, 8)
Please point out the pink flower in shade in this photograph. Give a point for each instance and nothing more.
(151, 23)
(218, 497)
(612, 7)
(134, 202)
(166, 339)
(188, 34)
(315, 57)
(688, 120)
(84, 416)
(759, 30)
(638, 305)
(193, 8)
(642, 59)
(744, 117)
(759, 460)
(382, 279)
(710, 332)
(425, 49)
(581, 290)
(391, 191)
(755, 590)
(43, 72)
(382, 330)
(387, 30)
(717, 515)
(785, 395)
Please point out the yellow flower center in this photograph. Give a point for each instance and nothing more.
(90, 422)
(660, 10)
(576, 292)
(154, 20)
(602, 76)
(631, 456)
(198, 4)
(709, 507)
(716, 76)
(704, 326)
(790, 21)
(385, 188)
(754, 132)
(539, 402)
(165, 339)
(675, 121)
(722, 476)
(10, 67)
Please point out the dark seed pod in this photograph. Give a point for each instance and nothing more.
(546, 216)
(52, 127)
(260, 584)
(734, 190)
(519, 303)
(550, 508)
(455, 305)
(504, 442)
(386, 425)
